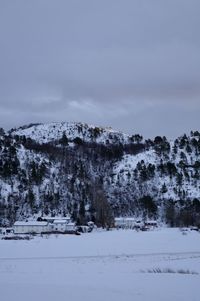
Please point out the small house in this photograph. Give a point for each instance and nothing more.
(71, 227)
(59, 225)
(151, 223)
(30, 227)
(120, 222)
(125, 222)
(130, 222)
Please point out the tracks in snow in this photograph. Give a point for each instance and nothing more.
(163, 256)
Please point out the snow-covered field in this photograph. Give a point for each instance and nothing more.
(113, 265)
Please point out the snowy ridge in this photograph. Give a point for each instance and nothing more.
(43, 133)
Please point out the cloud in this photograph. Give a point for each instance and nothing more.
(127, 64)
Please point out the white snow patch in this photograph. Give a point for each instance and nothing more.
(100, 266)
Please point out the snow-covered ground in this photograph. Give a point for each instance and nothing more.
(113, 265)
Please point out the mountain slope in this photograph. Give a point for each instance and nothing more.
(96, 173)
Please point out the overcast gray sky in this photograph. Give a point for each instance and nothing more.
(130, 64)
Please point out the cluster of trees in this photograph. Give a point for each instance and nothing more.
(182, 212)
(9, 162)
(99, 210)
(144, 172)
(188, 143)
(161, 145)
(148, 206)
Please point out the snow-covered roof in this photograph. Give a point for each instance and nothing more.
(30, 223)
(119, 219)
(130, 219)
(90, 223)
(151, 222)
(50, 218)
(59, 221)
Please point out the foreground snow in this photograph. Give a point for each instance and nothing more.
(112, 265)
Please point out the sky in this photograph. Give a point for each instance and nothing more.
(130, 64)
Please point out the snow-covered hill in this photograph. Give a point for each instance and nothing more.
(96, 173)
